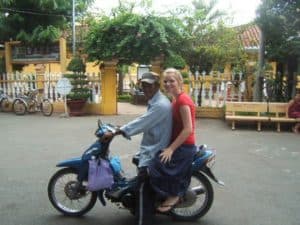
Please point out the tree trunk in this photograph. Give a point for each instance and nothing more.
(258, 83)
(292, 76)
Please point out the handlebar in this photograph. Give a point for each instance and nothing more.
(105, 128)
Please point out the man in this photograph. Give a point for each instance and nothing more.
(156, 126)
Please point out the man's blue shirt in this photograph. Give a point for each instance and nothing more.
(156, 126)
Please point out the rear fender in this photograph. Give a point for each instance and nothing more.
(200, 164)
(201, 158)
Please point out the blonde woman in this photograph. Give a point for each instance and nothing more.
(170, 170)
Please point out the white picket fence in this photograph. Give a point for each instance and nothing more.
(214, 89)
(209, 90)
(14, 84)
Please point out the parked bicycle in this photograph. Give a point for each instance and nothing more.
(31, 103)
(4, 102)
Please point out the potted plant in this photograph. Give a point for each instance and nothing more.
(80, 92)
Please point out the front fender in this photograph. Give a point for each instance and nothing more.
(73, 163)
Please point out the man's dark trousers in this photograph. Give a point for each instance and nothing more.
(145, 202)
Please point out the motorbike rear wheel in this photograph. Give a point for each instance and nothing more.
(202, 190)
(67, 197)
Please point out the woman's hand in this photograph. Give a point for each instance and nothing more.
(166, 155)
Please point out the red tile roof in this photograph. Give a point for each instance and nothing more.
(249, 36)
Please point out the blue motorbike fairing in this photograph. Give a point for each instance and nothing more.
(199, 161)
(94, 149)
(77, 162)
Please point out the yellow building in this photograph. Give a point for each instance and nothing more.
(48, 63)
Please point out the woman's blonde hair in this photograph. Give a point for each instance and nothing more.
(176, 74)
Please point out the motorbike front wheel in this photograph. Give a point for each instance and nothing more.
(67, 197)
(202, 197)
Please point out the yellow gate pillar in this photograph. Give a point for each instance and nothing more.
(8, 57)
(63, 54)
(109, 88)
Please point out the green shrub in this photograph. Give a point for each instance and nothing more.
(185, 76)
(124, 98)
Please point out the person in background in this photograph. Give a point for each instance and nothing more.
(156, 126)
(170, 170)
(294, 111)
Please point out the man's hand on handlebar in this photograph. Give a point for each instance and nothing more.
(109, 135)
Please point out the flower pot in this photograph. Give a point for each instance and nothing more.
(76, 107)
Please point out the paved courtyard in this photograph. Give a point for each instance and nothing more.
(261, 171)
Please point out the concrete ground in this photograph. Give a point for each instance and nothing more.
(130, 109)
(260, 169)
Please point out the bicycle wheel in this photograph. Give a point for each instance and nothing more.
(4, 105)
(46, 107)
(19, 107)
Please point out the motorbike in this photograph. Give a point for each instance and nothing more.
(68, 190)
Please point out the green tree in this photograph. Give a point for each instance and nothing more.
(33, 20)
(223, 46)
(279, 21)
(131, 38)
(211, 45)
(175, 61)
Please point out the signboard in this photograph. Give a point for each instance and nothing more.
(63, 86)
(142, 69)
